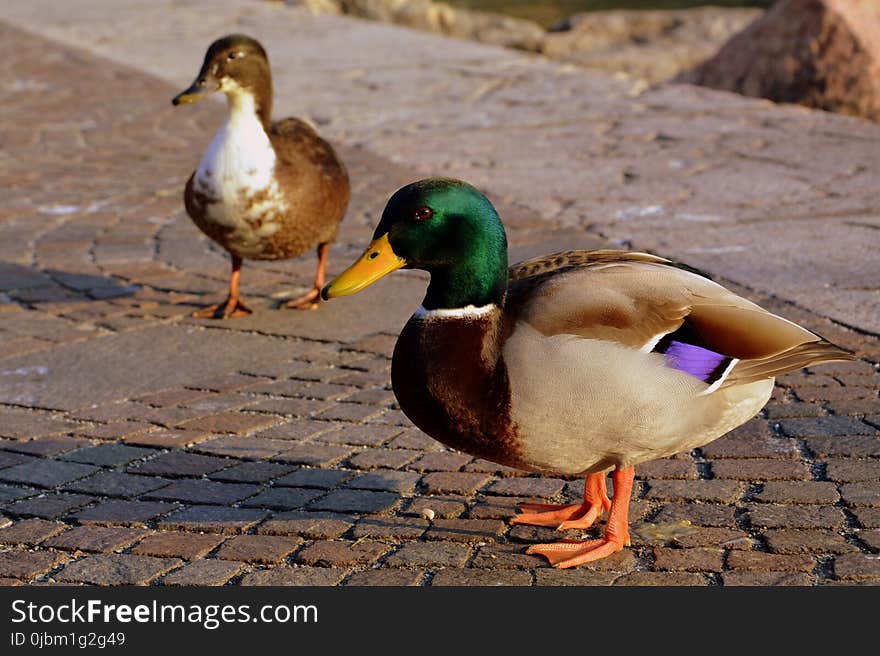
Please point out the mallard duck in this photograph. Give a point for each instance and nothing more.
(263, 190)
(571, 364)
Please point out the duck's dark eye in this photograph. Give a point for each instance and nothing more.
(235, 55)
(423, 214)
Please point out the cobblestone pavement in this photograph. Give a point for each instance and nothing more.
(139, 446)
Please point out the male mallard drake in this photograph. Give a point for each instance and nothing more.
(569, 364)
(263, 190)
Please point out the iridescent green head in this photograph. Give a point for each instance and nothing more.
(446, 227)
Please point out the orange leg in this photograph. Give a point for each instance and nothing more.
(562, 517)
(570, 553)
(311, 299)
(233, 306)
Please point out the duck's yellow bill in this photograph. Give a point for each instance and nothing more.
(378, 260)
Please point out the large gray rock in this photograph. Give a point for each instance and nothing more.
(820, 53)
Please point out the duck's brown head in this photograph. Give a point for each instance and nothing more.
(237, 65)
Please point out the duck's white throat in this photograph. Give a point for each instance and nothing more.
(240, 161)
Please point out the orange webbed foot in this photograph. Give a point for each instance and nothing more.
(308, 301)
(574, 516)
(570, 553)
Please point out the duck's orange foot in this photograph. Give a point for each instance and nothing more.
(560, 517)
(228, 309)
(308, 301)
(563, 517)
(571, 553)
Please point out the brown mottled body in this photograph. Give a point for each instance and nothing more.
(314, 186)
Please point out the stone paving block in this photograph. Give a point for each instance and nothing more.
(527, 487)
(755, 560)
(100, 539)
(772, 516)
(128, 513)
(426, 554)
(444, 461)
(117, 484)
(230, 422)
(50, 506)
(445, 507)
(324, 479)
(798, 492)
(861, 494)
(371, 458)
(867, 517)
(387, 480)
(454, 482)
(311, 525)
(795, 541)
(750, 446)
(824, 426)
(760, 469)
(167, 438)
(251, 472)
(359, 435)
(295, 576)
(212, 519)
(30, 532)
(378, 526)
(851, 446)
(296, 430)
(871, 538)
(662, 579)
(414, 439)
(700, 514)
(107, 455)
(766, 579)
(466, 530)
(265, 549)
(843, 470)
(46, 473)
(46, 447)
(355, 501)
(180, 463)
(471, 577)
(203, 491)
(19, 424)
(28, 564)
(340, 553)
(689, 560)
(668, 468)
(188, 546)
(574, 577)
(486, 467)
(349, 412)
(386, 577)
(315, 455)
(506, 556)
(242, 447)
(712, 537)
(116, 569)
(724, 491)
(282, 498)
(8, 459)
(204, 572)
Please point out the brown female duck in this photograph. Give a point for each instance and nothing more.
(264, 190)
